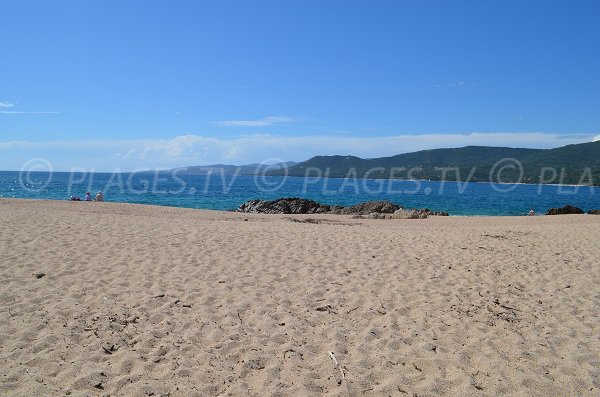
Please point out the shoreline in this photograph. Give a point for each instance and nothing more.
(233, 211)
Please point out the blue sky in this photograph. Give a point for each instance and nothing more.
(129, 84)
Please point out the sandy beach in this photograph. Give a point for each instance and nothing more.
(115, 299)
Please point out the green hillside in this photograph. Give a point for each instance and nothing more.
(572, 164)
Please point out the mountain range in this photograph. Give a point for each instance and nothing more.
(571, 164)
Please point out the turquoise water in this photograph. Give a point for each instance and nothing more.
(226, 192)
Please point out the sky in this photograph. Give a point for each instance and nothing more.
(128, 85)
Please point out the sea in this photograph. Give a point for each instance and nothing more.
(227, 192)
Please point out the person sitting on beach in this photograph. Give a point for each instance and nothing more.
(75, 198)
(88, 196)
(531, 212)
(99, 196)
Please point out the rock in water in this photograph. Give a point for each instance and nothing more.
(289, 205)
(566, 210)
(594, 212)
(294, 205)
(372, 209)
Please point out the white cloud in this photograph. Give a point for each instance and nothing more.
(8, 105)
(596, 138)
(460, 84)
(264, 122)
(185, 150)
(21, 112)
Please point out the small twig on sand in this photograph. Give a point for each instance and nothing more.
(238, 312)
(496, 301)
(337, 365)
(384, 309)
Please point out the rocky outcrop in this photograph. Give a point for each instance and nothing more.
(289, 205)
(294, 205)
(407, 214)
(372, 209)
(369, 207)
(594, 212)
(566, 210)
(433, 213)
(403, 213)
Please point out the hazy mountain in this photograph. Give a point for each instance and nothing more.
(227, 169)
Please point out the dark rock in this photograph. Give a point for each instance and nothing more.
(294, 205)
(379, 207)
(290, 205)
(566, 210)
(594, 212)
(429, 212)
(335, 209)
